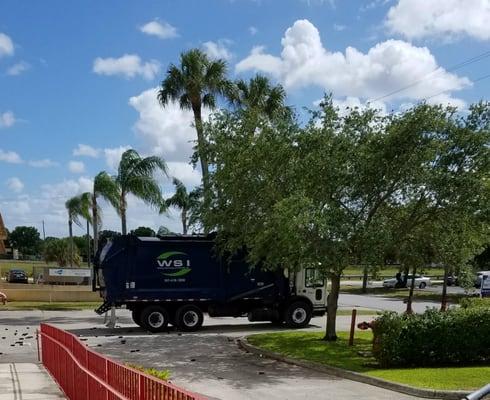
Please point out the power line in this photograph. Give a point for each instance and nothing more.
(455, 67)
(481, 78)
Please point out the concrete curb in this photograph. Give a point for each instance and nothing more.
(355, 376)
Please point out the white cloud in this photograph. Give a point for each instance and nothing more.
(168, 131)
(7, 119)
(184, 172)
(113, 156)
(219, 49)
(6, 45)
(86, 151)
(386, 67)
(416, 19)
(44, 163)
(76, 167)
(10, 157)
(354, 102)
(18, 68)
(162, 30)
(15, 184)
(128, 66)
(253, 30)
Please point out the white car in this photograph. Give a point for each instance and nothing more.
(420, 281)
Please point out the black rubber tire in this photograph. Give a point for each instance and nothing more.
(154, 319)
(422, 285)
(136, 316)
(298, 315)
(189, 318)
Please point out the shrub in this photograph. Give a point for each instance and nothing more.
(475, 302)
(457, 336)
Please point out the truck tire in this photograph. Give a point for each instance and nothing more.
(298, 314)
(154, 319)
(189, 318)
(136, 316)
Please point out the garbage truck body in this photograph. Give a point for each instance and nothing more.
(176, 279)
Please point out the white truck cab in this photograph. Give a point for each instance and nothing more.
(309, 283)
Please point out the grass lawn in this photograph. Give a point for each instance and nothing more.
(54, 306)
(391, 271)
(418, 294)
(309, 346)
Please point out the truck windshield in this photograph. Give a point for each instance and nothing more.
(313, 278)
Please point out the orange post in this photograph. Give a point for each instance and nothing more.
(352, 327)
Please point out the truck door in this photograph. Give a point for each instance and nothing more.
(310, 284)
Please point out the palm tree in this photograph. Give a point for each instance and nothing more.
(77, 206)
(135, 175)
(186, 202)
(195, 83)
(261, 96)
(104, 186)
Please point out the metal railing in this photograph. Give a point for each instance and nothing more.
(84, 374)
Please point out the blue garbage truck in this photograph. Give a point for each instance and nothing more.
(177, 279)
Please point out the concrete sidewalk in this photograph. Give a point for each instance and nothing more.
(27, 381)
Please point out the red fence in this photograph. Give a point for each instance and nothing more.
(84, 374)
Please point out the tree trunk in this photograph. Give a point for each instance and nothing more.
(95, 226)
(88, 243)
(123, 214)
(365, 279)
(444, 289)
(201, 145)
(332, 301)
(184, 221)
(70, 230)
(410, 293)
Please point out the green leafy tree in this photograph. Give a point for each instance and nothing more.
(143, 231)
(187, 202)
(62, 252)
(135, 175)
(26, 239)
(106, 235)
(163, 230)
(78, 207)
(196, 83)
(104, 187)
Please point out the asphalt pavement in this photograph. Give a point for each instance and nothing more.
(208, 361)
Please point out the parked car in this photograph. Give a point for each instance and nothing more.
(17, 276)
(420, 281)
(479, 276)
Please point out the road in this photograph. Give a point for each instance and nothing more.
(208, 362)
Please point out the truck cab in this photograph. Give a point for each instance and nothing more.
(309, 283)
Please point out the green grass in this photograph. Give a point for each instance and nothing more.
(163, 374)
(47, 306)
(390, 271)
(418, 294)
(360, 311)
(309, 346)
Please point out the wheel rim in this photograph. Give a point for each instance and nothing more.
(156, 319)
(190, 318)
(299, 315)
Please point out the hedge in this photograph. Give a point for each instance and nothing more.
(434, 338)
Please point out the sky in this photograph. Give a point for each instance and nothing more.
(78, 79)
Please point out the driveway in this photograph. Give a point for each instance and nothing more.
(208, 362)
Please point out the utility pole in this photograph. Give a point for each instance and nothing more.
(44, 232)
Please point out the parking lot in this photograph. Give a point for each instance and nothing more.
(208, 362)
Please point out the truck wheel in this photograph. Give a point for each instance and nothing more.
(136, 316)
(189, 318)
(298, 315)
(154, 319)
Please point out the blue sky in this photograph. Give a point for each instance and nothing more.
(84, 73)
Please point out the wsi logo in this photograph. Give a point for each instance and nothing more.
(174, 263)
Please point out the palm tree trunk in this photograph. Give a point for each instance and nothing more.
(332, 302)
(123, 213)
(70, 230)
(410, 293)
(201, 144)
(95, 226)
(184, 221)
(444, 289)
(88, 243)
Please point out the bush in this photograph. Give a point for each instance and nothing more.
(475, 302)
(457, 336)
